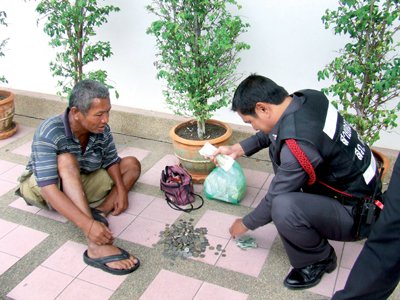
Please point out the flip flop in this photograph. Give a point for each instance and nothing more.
(97, 215)
(102, 261)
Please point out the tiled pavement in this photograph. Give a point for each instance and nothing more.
(41, 252)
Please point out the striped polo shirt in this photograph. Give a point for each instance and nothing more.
(54, 136)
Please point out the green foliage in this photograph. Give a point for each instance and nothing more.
(198, 46)
(71, 27)
(366, 74)
(3, 43)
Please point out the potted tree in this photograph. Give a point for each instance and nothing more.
(71, 27)
(198, 48)
(7, 126)
(366, 74)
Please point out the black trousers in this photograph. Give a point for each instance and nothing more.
(376, 271)
(305, 222)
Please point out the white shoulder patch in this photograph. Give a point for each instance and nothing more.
(331, 121)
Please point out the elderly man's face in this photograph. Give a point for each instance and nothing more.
(97, 117)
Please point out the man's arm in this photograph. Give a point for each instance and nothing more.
(289, 177)
(121, 203)
(95, 231)
(246, 147)
(255, 143)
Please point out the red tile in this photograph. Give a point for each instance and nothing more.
(251, 194)
(350, 254)
(6, 166)
(21, 204)
(21, 240)
(159, 210)
(217, 223)
(338, 246)
(268, 182)
(140, 154)
(101, 278)
(261, 194)
(249, 262)
(255, 178)
(13, 174)
(211, 291)
(24, 149)
(42, 283)
(6, 186)
(143, 231)
(171, 286)
(7, 261)
(138, 202)
(68, 259)
(80, 289)
(341, 279)
(6, 227)
(328, 281)
(119, 223)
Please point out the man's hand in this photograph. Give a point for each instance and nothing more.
(233, 151)
(99, 234)
(121, 201)
(237, 228)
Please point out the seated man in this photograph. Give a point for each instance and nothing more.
(322, 171)
(74, 164)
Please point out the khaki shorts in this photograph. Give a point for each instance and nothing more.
(97, 185)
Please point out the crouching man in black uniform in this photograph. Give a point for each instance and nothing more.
(323, 170)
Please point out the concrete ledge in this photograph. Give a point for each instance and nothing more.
(124, 120)
(131, 121)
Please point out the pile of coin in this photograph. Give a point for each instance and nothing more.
(183, 240)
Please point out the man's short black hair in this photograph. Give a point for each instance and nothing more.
(256, 88)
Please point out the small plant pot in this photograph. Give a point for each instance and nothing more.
(187, 151)
(382, 161)
(7, 126)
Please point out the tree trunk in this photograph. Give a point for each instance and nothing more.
(201, 129)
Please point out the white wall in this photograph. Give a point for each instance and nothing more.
(288, 44)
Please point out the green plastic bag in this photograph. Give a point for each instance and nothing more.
(227, 186)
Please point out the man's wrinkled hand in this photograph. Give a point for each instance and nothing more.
(121, 203)
(100, 234)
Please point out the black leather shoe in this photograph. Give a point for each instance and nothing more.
(309, 276)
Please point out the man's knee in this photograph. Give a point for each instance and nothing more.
(131, 164)
(283, 209)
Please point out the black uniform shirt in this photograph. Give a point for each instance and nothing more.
(289, 175)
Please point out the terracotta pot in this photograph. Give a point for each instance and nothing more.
(7, 126)
(188, 154)
(382, 161)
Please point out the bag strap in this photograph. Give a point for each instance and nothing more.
(173, 205)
